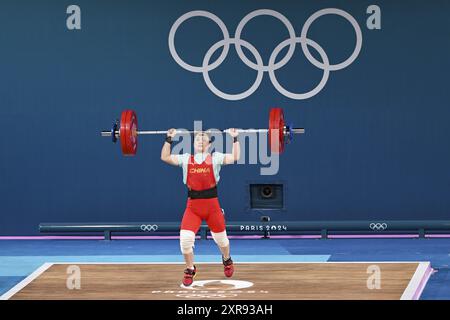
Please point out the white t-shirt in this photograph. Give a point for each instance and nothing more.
(217, 162)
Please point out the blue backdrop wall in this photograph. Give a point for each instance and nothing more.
(377, 134)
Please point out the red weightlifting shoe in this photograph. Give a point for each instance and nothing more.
(189, 276)
(228, 268)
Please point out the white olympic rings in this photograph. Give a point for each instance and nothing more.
(376, 226)
(149, 227)
(272, 65)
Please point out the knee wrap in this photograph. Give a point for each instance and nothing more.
(187, 239)
(221, 238)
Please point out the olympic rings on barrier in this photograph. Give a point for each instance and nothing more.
(272, 65)
(149, 227)
(378, 226)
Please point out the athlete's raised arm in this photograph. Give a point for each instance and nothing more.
(235, 154)
(166, 156)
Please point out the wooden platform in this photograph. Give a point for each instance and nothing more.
(286, 281)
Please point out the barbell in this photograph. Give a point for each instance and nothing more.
(127, 131)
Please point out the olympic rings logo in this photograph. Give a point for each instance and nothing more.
(378, 226)
(272, 65)
(149, 227)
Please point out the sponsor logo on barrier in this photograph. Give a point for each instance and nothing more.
(213, 289)
(149, 227)
(273, 64)
(376, 226)
(263, 227)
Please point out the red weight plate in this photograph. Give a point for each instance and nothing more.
(273, 129)
(276, 130)
(132, 132)
(128, 132)
(123, 132)
(281, 130)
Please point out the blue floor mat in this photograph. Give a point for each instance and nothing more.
(130, 247)
(438, 287)
(7, 283)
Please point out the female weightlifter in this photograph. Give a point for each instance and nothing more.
(201, 175)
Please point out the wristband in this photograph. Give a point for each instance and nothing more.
(235, 139)
(169, 140)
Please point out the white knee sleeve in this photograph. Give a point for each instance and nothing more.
(221, 239)
(187, 239)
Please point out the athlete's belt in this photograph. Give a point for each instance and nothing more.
(203, 194)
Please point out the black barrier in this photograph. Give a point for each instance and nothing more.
(264, 228)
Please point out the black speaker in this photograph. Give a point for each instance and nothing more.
(266, 196)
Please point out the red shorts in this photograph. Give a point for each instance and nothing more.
(198, 210)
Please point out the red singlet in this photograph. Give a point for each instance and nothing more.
(201, 177)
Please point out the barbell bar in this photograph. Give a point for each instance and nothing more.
(127, 131)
